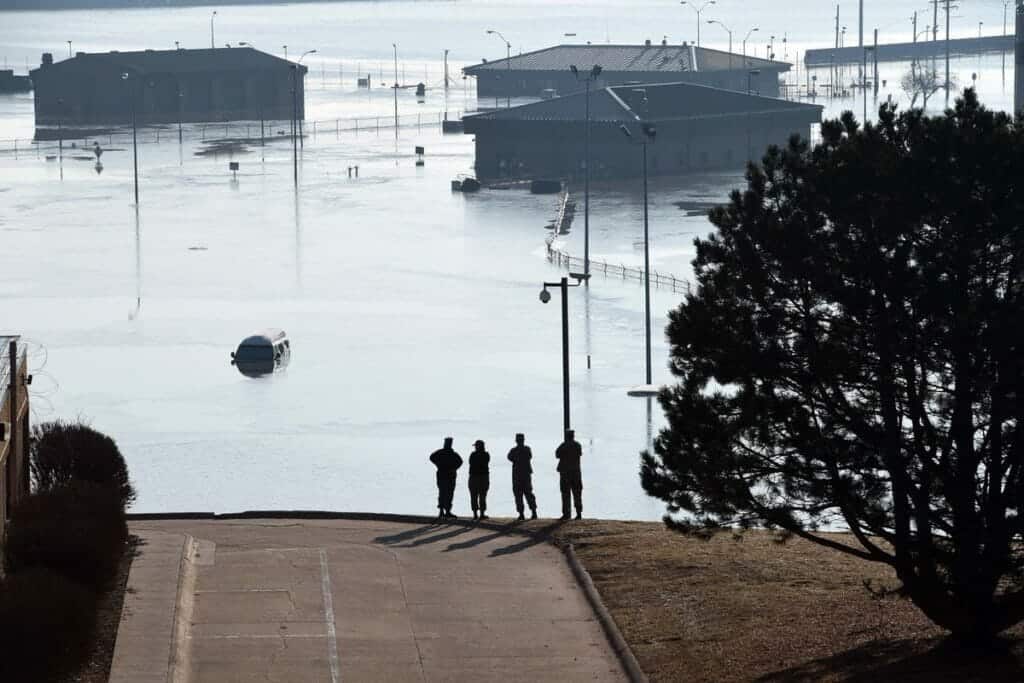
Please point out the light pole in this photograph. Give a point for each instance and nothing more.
(69, 50)
(545, 297)
(745, 39)
(395, 46)
(729, 31)
(135, 138)
(212, 41)
(648, 134)
(299, 119)
(592, 76)
(698, 10)
(60, 135)
(285, 48)
(508, 66)
(979, 29)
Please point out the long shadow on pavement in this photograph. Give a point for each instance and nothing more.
(408, 535)
(538, 536)
(479, 540)
(424, 540)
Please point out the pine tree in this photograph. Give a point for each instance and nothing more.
(853, 357)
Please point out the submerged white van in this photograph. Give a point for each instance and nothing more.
(263, 353)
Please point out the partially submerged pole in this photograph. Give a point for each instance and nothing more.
(1018, 76)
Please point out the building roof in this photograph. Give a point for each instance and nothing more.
(177, 61)
(637, 58)
(664, 102)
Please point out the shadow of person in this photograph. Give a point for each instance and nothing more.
(401, 536)
(535, 537)
(913, 661)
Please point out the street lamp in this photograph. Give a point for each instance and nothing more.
(395, 46)
(698, 10)
(545, 297)
(648, 134)
(298, 119)
(508, 66)
(979, 29)
(747, 37)
(595, 71)
(69, 50)
(135, 137)
(285, 48)
(212, 41)
(727, 30)
(60, 136)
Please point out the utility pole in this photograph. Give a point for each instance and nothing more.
(915, 27)
(834, 74)
(1018, 89)
(935, 20)
(446, 70)
(947, 50)
(863, 52)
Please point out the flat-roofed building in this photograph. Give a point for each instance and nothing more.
(697, 128)
(546, 72)
(167, 86)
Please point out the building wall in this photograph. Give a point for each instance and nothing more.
(75, 95)
(498, 83)
(542, 149)
(14, 449)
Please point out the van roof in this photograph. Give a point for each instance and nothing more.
(267, 337)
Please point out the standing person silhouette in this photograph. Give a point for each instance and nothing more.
(522, 476)
(479, 479)
(570, 477)
(448, 463)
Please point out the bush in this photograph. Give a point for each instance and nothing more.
(63, 453)
(77, 531)
(47, 626)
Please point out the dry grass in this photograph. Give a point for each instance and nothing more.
(754, 610)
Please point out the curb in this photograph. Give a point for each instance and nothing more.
(179, 659)
(611, 629)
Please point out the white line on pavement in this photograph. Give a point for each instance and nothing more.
(332, 638)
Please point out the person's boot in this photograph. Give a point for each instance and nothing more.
(483, 516)
(579, 514)
(474, 514)
(520, 517)
(533, 513)
(449, 515)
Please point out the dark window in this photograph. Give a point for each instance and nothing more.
(254, 353)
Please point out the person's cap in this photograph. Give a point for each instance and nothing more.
(448, 441)
(570, 433)
(478, 442)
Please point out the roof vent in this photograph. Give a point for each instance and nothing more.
(647, 42)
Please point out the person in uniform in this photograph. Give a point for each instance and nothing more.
(522, 476)
(479, 479)
(570, 477)
(447, 462)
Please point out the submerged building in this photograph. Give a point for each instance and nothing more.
(697, 128)
(167, 86)
(547, 72)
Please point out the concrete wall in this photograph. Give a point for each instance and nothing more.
(499, 83)
(14, 449)
(541, 149)
(76, 95)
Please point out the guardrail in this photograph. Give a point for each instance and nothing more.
(564, 259)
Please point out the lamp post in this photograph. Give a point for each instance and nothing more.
(135, 138)
(729, 31)
(648, 134)
(545, 297)
(980, 23)
(395, 46)
(285, 48)
(508, 66)
(595, 71)
(69, 50)
(299, 119)
(212, 41)
(296, 124)
(60, 136)
(698, 10)
(745, 44)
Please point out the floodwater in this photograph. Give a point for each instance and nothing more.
(413, 311)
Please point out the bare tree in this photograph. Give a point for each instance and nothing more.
(922, 81)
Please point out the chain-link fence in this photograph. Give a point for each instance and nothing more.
(50, 141)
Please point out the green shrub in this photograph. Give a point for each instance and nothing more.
(63, 453)
(78, 531)
(47, 626)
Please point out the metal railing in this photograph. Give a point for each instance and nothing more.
(564, 259)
